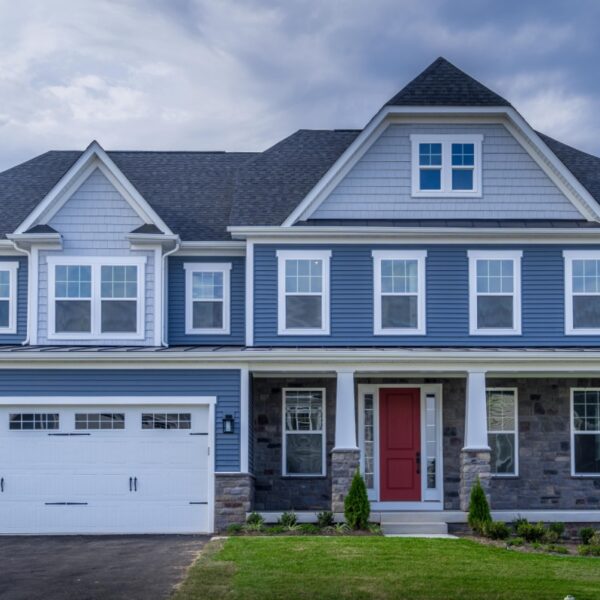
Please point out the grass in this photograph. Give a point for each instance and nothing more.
(381, 568)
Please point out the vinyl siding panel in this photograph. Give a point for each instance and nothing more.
(447, 300)
(20, 336)
(379, 185)
(176, 300)
(222, 383)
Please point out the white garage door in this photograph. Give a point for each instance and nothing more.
(142, 469)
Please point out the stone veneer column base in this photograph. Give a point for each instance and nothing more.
(344, 464)
(473, 464)
(234, 497)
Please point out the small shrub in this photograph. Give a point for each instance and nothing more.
(595, 539)
(586, 533)
(516, 541)
(356, 504)
(558, 528)
(496, 530)
(308, 529)
(530, 532)
(589, 550)
(325, 519)
(556, 549)
(551, 537)
(288, 519)
(479, 509)
(341, 528)
(254, 527)
(275, 529)
(254, 518)
(235, 528)
(375, 528)
(518, 522)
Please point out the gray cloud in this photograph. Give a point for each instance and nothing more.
(240, 75)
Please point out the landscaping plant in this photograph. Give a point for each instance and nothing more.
(288, 520)
(586, 533)
(496, 530)
(531, 532)
(356, 504)
(325, 519)
(479, 509)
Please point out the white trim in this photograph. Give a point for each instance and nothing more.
(249, 289)
(569, 256)
(33, 303)
(429, 497)
(11, 267)
(515, 391)
(96, 262)
(419, 256)
(201, 267)
(515, 256)
(92, 158)
(104, 400)
(574, 473)
(285, 433)
(159, 311)
(244, 419)
(282, 256)
(508, 116)
(446, 168)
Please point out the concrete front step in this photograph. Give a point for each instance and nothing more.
(413, 516)
(415, 528)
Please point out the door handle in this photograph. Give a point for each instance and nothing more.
(130, 482)
(1, 484)
(135, 484)
(418, 461)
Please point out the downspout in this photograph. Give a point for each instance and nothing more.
(25, 342)
(164, 291)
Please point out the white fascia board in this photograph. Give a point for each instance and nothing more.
(94, 156)
(207, 248)
(541, 153)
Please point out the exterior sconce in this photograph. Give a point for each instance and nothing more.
(228, 424)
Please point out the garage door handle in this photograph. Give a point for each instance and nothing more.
(130, 482)
(135, 484)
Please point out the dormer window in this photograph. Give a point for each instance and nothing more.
(446, 165)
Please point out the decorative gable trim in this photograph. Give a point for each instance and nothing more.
(566, 182)
(94, 157)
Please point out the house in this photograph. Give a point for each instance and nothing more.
(188, 336)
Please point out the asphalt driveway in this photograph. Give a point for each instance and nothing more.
(144, 567)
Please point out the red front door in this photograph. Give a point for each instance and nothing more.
(400, 444)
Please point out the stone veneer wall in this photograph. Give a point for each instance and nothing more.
(234, 494)
(545, 480)
(272, 490)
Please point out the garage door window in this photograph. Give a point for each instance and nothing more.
(166, 421)
(32, 422)
(99, 421)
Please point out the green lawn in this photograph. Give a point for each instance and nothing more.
(375, 567)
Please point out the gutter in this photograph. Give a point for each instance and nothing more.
(15, 245)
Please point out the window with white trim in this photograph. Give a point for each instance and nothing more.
(96, 297)
(33, 421)
(585, 432)
(495, 292)
(399, 286)
(502, 420)
(446, 165)
(8, 297)
(582, 292)
(99, 420)
(304, 432)
(303, 292)
(207, 304)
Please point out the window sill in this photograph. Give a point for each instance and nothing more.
(490, 332)
(302, 477)
(441, 194)
(585, 476)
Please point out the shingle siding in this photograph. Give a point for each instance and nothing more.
(222, 383)
(176, 307)
(379, 184)
(447, 300)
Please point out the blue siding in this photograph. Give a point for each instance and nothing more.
(17, 338)
(223, 383)
(447, 300)
(176, 307)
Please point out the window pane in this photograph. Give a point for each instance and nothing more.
(304, 454)
(462, 179)
(430, 179)
(586, 410)
(73, 316)
(4, 284)
(304, 276)
(207, 315)
(119, 281)
(503, 452)
(303, 411)
(494, 312)
(399, 312)
(463, 154)
(119, 316)
(303, 312)
(501, 410)
(586, 276)
(587, 453)
(586, 312)
(73, 281)
(495, 276)
(399, 276)
(430, 154)
(4, 310)
(207, 285)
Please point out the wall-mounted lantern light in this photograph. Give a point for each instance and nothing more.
(228, 424)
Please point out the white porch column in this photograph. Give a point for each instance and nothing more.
(476, 434)
(345, 411)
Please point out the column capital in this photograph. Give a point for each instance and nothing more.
(346, 370)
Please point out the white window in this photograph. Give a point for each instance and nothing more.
(502, 422)
(446, 165)
(399, 286)
(33, 421)
(8, 297)
(582, 292)
(96, 297)
(207, 304)
(585, 432)
(303, 292)
(495, 292)
(304, 432)
(99, 420)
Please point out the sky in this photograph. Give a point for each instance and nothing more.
(243, 74)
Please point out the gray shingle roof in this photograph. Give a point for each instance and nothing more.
(443, 84)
